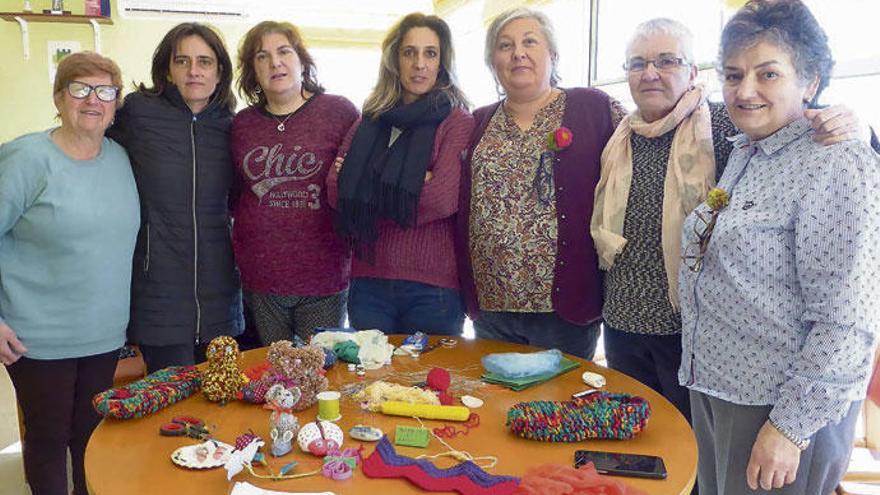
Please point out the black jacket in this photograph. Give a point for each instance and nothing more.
(185, 286)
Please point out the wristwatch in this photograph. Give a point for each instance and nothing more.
(800, 443)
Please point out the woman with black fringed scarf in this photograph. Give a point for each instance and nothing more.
(395, 186)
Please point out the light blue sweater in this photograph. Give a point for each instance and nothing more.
(67, 233)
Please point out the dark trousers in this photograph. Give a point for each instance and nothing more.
(402, 306)
(726, 433)
(651, 359)
(545, 330)
(55, 397)
(157, 357)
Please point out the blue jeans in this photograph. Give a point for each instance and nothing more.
(545, 330)
(401, 306)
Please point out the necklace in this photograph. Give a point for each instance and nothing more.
(281, 122)
(280, 125)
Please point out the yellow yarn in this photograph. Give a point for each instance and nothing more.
(458, 455)
(427, 411)
(378, 392)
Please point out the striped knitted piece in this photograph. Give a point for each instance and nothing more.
(465, 478)
(602, 415)
(156, 391)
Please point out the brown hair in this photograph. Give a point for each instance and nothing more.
(161, 69)
(86, 64)
(248, 87)
(388, 91)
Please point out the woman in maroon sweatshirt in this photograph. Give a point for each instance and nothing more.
(396, 192)
(294, 269)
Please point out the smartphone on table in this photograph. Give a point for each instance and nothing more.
(619, 464)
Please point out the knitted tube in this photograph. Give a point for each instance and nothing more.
(156, 391)
(602, 415)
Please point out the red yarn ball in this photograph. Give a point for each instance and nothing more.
(438, 380)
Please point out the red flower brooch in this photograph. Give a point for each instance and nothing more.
(559, 139)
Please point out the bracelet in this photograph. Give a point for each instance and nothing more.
(800, 443)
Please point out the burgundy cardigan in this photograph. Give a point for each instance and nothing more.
(577, 281)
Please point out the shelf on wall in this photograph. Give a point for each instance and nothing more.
(23, 18)
(71, 19)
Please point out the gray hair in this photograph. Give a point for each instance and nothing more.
(546, 28)
(788, 24)
(669, 27)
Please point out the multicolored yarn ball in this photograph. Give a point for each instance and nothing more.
(156, 391)
(602, 415)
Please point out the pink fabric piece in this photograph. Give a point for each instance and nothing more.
(554, 479)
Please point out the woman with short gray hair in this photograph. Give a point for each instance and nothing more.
(777, 284)
(529, 273)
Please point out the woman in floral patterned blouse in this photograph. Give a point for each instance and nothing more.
(528, 265)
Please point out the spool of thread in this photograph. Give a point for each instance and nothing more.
(328, 406)
(426, 411)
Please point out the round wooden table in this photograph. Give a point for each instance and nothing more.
(131, 457)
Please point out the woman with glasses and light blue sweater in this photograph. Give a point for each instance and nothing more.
(68, 223)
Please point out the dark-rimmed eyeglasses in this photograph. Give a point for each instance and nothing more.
(696, 250)
(662, 63)
(543, 181)
(81, 90)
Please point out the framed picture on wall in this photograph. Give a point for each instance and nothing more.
(57, 51)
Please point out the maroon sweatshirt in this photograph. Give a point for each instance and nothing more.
(283, 227)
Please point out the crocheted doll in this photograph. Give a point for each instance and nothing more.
(222, 379)
(283, 425)
(303, 366)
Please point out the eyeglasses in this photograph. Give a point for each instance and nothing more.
(81, 90)
(543, 181)
(664, 63)
(696, 250)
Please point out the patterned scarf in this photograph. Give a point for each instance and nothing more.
(690, 173)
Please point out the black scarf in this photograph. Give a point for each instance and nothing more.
(382, 181)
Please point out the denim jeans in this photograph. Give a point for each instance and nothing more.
(545, 330)
(402, 306)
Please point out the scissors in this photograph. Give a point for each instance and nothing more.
(189, 426)
(447, 343)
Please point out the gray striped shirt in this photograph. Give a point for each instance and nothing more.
(785, 311)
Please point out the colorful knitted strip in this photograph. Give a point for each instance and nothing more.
(466, 478)
(602, 415)
(150, 394)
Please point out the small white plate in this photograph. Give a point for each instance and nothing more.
(206, 455)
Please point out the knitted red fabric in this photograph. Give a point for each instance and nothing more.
(426, 253)
(466, 478)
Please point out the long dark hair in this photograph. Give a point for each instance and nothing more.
(161, 68)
